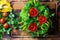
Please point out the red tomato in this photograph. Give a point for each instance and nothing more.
(42, 19)
(33, 12)
(5, 14)
(33, 27)
(2, 20)
(6, 25)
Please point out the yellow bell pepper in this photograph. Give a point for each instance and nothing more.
(4, 6)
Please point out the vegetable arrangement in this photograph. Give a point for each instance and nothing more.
(8, 21)
(35, 18)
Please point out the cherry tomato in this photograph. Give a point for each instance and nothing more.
(5, 14)
(6, 25)
(2, 20)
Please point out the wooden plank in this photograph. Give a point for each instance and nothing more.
(6, 38)
(24, 38)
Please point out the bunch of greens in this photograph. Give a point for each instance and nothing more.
(12, 23)
(8, 20)
(37, 28)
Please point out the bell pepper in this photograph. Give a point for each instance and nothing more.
(5, 6)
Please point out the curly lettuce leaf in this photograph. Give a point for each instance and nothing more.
(44, 29)
(46, 13)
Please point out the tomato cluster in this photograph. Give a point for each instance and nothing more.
(33, 13)
(2, 20)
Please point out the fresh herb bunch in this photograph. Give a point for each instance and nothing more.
(8, 20)
(35, 18)
(8, 23)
